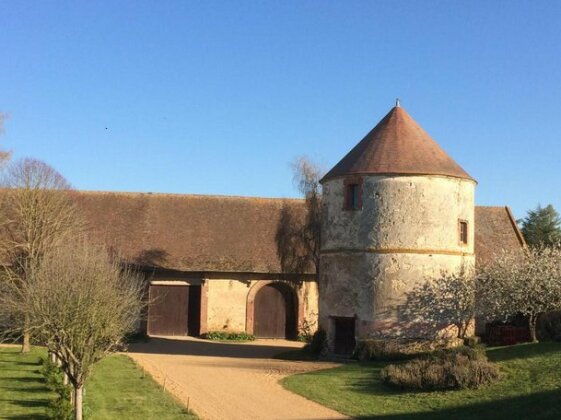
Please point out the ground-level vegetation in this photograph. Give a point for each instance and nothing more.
(530, 387)
(118, 389)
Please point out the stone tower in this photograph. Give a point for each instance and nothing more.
(398, 211)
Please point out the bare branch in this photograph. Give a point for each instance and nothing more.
(36, 215)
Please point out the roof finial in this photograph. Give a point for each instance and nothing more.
(397, 105)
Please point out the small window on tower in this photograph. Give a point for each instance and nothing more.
(463, 231)
(353, 196)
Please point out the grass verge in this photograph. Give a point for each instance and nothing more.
(118, 389)
(22, 389)
(530, 388)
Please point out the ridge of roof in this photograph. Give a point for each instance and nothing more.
(516, 228)
(492, 207)
(182, 195)
(397, 145)
(234, 197)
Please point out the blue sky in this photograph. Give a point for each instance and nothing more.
(219, 97)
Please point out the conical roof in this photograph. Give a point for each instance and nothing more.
(397, 145)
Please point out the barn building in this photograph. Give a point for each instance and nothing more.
(396, 209)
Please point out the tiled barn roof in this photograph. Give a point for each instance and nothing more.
(495, 231)
(189, 232)
(397, 145)
(225, 234)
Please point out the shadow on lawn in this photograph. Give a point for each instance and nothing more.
(14, 361)
(38, 380)
(541, 405)
(523, 351)
(42, 403)
(199, 347)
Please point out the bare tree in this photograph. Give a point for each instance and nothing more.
(298, 232)
(80, 303)
(306, 177)
(440, 303)
(294, 254)
(4, 155)
(37, 214)
(527, 283)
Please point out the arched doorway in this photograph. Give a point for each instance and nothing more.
(274, 312)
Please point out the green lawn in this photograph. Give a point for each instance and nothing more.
(22, 391)
(117, 390)
(530, 388)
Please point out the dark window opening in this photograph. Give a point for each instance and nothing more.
(463, 228)
(344, 340)
(194, 316)
(353, 196)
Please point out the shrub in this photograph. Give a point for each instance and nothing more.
(61, 407)
(472, 341)
(307, 330)
(228, 336)
(399, 349)
(461, 368)
(318, 342)
(476, 352)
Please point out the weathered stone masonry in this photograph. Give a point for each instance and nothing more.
(413, 220)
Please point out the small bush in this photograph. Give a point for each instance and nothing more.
(307, 330)
(461, 368)
(318, 342)
(476, 352)
(399, 349)
(228, 336)
(61, 407)
(472, 341)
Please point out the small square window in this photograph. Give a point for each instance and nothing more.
(463, 232)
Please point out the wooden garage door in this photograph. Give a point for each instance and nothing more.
(270, 313)
(167, 313)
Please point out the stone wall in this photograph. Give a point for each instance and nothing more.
(405, 233)
(228, 298)
(400, 212)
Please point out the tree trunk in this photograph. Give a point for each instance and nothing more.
(78, 393)
(462, 330)
(26, 345)
(532, 321)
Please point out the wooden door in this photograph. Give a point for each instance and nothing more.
(270, 313)
(167, 313)
(344, 336)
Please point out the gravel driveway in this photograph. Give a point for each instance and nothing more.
(230, 380)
